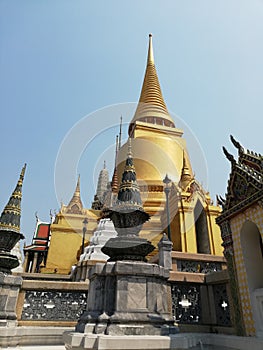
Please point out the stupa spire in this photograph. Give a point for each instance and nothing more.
(114, 180)
(150, 58)
(120, 132)
(151, 108)
(186, 174)
(102, 184)
(129, 192)
(75, 201)
(10, 218)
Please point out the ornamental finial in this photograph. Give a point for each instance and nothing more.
(150, 59)
(236, 144)
(229, 156)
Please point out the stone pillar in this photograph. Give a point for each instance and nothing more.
(165, 248)
(34, 262)
(84, 271)
(25, 264)
(9, 289)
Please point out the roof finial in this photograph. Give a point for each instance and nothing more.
(23, 172)
(104, 164)
(76, 197)
(150, 59)
(116, 149)
(236, 144)
(229, 156)
(120, 133)
(78, 184)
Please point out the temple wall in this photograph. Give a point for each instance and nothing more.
(255, 215)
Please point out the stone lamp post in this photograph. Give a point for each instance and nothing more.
(167, 190)
(84, 230)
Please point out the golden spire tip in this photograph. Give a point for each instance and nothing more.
(150, 51)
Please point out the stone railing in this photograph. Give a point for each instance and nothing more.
(58, 302)
(197, 263)
(194, 263)
(200, 292)
(202, 302)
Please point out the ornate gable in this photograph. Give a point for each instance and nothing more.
(249, 158)
(245, 184)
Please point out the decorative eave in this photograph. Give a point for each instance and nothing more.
(227, 214)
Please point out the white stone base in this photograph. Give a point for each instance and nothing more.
(17, 336)
(80, 341)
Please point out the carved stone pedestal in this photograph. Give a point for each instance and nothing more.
(9, 289)
(125, 298)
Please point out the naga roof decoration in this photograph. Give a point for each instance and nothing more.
(245, 184)
(249, 158)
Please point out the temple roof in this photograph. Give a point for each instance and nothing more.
(10, 218)
(40, 241)
(152, 108)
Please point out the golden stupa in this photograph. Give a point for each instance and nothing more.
(158, 149)
(157, 145)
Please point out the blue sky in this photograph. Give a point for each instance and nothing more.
(62, 60)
